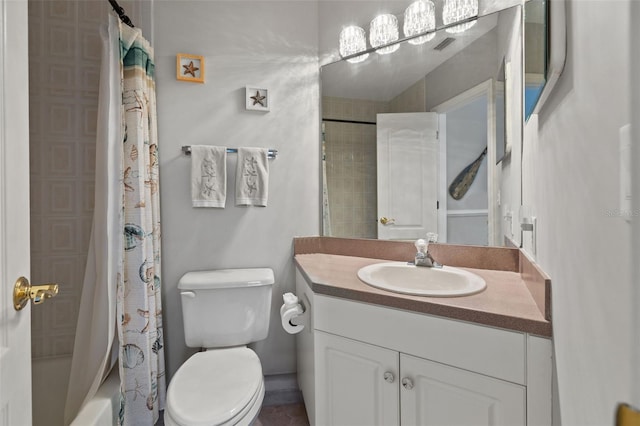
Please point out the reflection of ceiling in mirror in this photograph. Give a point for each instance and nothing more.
(382, 77)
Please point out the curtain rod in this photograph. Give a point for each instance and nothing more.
(335, 120)
(121, 13)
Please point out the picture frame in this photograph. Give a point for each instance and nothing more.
(190, 68)
(257, 99)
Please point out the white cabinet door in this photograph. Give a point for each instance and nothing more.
(407, 150)
(351, 388)
(445, 396)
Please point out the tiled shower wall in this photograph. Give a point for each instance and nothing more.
(350, 153)
(64, 68)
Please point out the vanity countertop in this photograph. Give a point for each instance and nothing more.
(507, 302)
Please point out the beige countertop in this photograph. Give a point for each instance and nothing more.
(507, 301)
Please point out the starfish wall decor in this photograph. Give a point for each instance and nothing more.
(257, 99)
(190, 68)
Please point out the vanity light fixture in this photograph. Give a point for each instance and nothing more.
(459, 10)
(352, 41)
(384, 30)
(419, 18)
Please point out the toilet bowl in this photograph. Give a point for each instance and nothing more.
(216, 387)
(223, 310)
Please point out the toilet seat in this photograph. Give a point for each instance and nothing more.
(216, 387)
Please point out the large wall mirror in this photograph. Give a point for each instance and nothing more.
(427, 138)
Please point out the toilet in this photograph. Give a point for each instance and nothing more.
(223, 310)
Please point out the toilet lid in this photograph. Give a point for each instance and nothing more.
(212, 387)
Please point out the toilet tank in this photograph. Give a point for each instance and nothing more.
(226, 307)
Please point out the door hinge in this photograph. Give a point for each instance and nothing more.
(437, 205)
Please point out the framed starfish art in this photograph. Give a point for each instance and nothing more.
(257, 99)
(190, 68)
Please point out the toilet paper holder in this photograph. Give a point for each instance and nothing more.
(302, 318)
(292, 301)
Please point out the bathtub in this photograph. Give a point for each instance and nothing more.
(49, 384)
(103, 408)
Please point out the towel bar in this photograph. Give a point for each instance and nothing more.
(273, 153)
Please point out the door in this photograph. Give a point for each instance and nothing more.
(356, 383)
(407, 149)
(438, 394)
(15, 326)
(472, 117)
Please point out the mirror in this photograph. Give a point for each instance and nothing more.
(457, 94)
(535, 53)
(545, 50)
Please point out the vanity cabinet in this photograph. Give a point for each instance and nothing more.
(366, 364)
(362, 384)
(357, 383)
(432, 393)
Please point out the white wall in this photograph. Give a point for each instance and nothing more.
(455, 76)
(272, 44)
(571, 182)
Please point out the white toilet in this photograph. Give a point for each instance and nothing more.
(223, 310)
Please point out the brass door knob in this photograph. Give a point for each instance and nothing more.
(23, 291)
(387, 220)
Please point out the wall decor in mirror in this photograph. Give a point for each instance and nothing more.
(400, 129)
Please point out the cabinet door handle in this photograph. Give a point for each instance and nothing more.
(388, 377)
(407, 383)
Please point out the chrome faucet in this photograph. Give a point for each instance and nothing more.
(423, 257)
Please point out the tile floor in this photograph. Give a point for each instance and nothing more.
(275, 415)
(283, 415)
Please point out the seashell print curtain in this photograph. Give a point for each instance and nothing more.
(138, 303)
(120, 317)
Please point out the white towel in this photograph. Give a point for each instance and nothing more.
(208, 176)
(252, 177)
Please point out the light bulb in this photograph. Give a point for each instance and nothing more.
(419, 18)
(384, 30)
(458, 10)
(352, 41)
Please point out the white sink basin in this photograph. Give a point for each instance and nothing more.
(401, 277)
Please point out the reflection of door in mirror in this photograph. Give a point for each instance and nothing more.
(466, 127)
(407, 147)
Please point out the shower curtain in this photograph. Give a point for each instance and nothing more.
(120, 316)
(326, 212)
